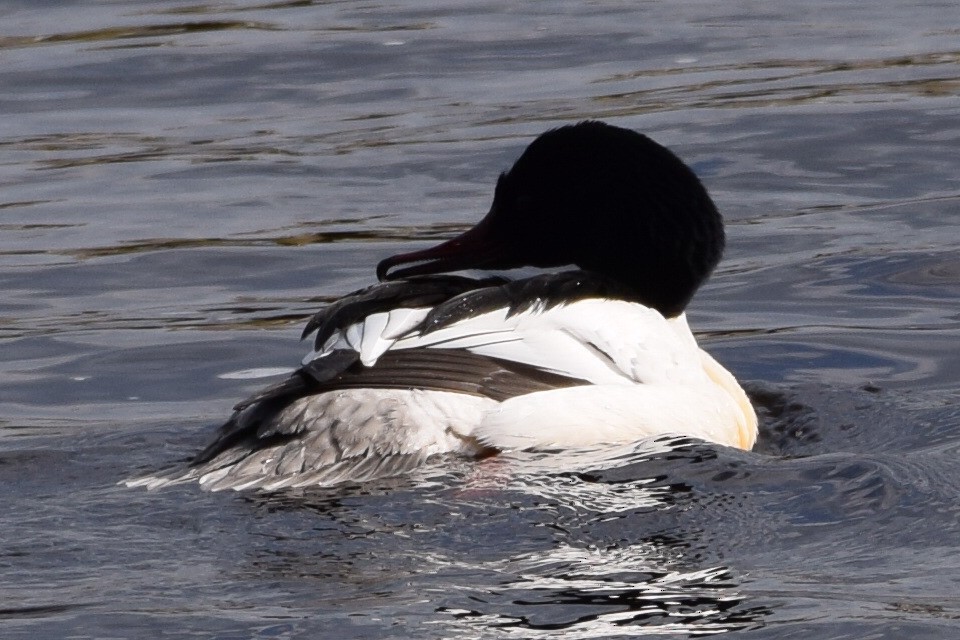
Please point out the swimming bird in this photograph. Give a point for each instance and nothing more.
(594, 349)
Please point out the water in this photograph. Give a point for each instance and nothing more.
(182, 184)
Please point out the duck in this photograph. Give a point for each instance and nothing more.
(459, 349)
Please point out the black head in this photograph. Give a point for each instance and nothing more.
(603, 198)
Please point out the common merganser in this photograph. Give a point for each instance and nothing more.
(426, 362)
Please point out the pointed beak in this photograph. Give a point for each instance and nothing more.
(477, 248)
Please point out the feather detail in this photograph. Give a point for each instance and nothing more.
(372, 344)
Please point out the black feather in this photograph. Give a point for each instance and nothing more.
(426, 291)
(538, 293)
(453, 370)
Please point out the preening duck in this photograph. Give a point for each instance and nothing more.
(427, 362)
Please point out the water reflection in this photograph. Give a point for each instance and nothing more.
(606, 593)
(567, 573)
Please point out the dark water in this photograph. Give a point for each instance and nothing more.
(182, 183)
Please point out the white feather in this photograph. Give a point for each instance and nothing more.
(371, 337)
(601, 341)
(402, 320)
(353, 336)
(372, 344)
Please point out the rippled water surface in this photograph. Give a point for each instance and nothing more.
(181, 184)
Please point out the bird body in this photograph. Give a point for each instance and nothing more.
(426, 362)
